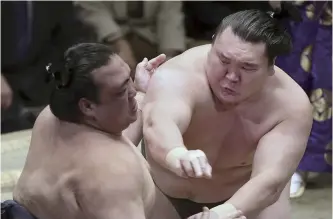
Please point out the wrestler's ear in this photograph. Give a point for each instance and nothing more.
(87, 107)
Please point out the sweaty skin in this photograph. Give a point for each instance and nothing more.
(181, 110)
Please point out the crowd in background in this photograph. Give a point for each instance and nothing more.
(35, 33)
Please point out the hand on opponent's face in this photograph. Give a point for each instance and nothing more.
(144, 71)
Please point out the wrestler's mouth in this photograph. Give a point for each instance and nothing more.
(229, 91)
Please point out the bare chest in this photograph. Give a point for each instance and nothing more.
(228, 139)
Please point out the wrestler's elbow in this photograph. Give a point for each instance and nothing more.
(149, 122)
(270, 186)
(150, 133)
(274, 187)
(150, 137)
(161, 132)
(275, 193)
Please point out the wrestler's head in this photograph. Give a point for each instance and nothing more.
(242, 55)
(99, 92)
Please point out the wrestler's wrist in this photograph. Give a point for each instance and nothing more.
(224, 209)
(139, 97)
(174, 154)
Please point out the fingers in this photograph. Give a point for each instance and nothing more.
(180, 170)
(155, 62)
(196, 167)
(208, 171)
(195, 158)
(187, 167)
(143, 63)
(195, 164)
(205, 166)
(191, 165)
(236, 215)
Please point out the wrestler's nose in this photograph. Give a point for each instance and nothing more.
(232, 76)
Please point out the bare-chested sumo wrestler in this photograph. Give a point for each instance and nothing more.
(82, 163)
(224, 127)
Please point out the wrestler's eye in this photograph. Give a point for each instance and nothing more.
(248, 69)
(224, 61)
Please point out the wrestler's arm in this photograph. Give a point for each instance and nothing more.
(166, 114)
(134, 131)
(276, 159)
(143, 74)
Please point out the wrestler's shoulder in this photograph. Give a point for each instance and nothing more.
(289, 94)
(44, 121)
(45, 113)
(101, 148)
(184, 71)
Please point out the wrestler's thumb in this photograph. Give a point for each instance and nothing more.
(208, 171)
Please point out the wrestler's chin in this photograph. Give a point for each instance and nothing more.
(133, 116)
(133, 112)
(226, 100)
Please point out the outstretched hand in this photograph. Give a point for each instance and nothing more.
(207, 214)
(144, 71)
(189, 163)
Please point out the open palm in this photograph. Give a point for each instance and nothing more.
(144, 71)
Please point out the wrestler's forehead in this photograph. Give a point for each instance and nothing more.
(231, 46)
(115, 72)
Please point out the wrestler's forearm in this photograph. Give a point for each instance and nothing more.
(161, 136)
(258, 193)
(134, 131)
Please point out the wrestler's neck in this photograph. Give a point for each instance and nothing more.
(95, 127)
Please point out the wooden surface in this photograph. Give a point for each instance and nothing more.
(14, 149)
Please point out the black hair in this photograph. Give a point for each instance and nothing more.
(256, 26)
(73, 79)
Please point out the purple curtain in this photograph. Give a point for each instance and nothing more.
(310, 65)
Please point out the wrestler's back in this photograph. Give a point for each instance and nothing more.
(56, 168)
(228, 137)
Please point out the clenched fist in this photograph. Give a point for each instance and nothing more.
(226, 212)
(188, 163)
